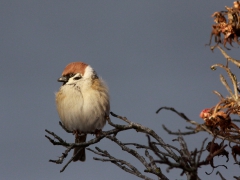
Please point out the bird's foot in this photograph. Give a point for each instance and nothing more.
(77, 133)
(98, 132)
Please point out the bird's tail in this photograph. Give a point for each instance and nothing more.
(79, 152)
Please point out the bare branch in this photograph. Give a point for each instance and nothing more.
(178, 133)
(201, 151)
(60, 123)
(224, 82)
(237, 178)
(232, 77)
(234, 61)
(220, 175)
(126, 166)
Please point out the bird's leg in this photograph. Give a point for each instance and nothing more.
(76, 133)
(98, 132)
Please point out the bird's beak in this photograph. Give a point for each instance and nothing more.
(63, 79)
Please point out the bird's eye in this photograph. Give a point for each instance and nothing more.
(77, 78)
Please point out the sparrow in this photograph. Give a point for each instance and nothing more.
(82, 103)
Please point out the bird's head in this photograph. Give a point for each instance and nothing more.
(78, 73)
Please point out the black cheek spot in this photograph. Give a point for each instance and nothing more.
(94, 76)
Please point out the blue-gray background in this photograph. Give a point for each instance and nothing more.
(150, 53)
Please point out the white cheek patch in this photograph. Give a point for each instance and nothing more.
(88, 72)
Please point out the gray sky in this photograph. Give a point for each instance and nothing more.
(150, 53)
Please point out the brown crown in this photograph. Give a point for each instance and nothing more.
(75, 67)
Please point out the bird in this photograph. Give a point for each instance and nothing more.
(82, 103)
